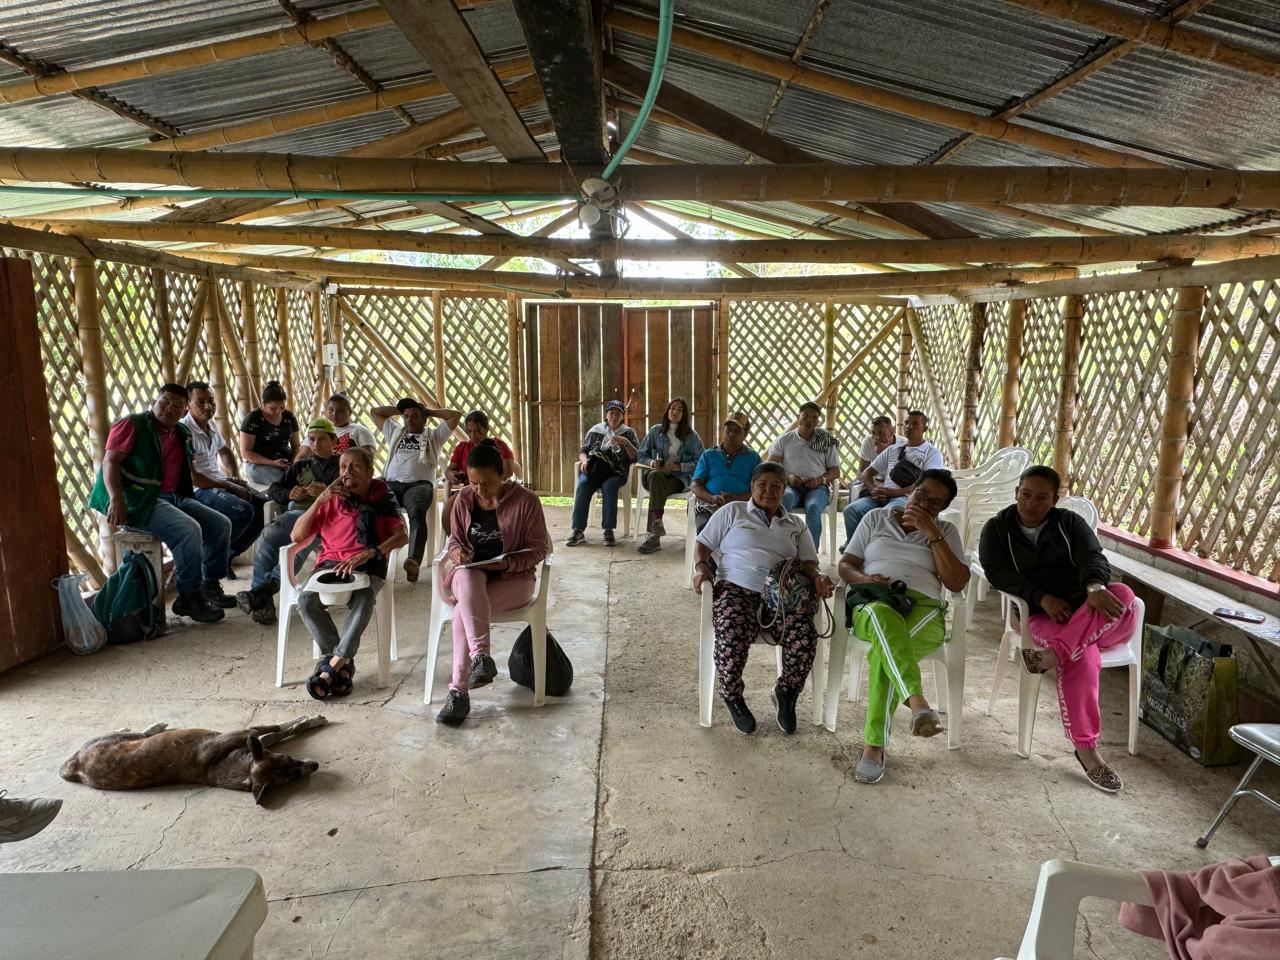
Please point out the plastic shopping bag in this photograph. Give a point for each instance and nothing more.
(83, 631)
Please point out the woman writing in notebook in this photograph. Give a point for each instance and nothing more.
(498, 537)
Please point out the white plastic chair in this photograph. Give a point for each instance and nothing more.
(707, 666)
(534, 614)
(690, 543)
(384, 618)
(638, 496)
(835, 522)
(624, 492)
(1016, 636)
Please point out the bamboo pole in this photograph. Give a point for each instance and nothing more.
(15, 91)
(935, 391)
(82, 558)
(389, 356)
(1073, 321)
(231, 347)
(513, 378)
(829, 392)
(905, 343)
(832, 388)
(1184, 353)
(94, 368)
(214, 354)
(972, 383)
(359, 176)
(781, 68)
(318, 340)
(164, 324)
(1156, 33)
(192, 337)
(648, 216)
(282, 344)
(503, 246)
(723, 327)
(437, 327)
(340, 368)
(1012, 369)
(249, 321)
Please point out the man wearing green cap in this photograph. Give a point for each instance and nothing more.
(301, 484)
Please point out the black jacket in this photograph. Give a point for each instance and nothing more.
(1064, 560)
(306, 471)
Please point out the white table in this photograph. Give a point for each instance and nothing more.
(132, 914)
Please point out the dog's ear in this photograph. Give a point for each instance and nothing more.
(259, 789)
(255, 747)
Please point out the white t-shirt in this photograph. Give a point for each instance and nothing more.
(414, 456)
(807, 458)
(354, 435)
(889, 550)
(1033, 533)
(926, 457)
(749, 544)
(868, 450)
(205, 447)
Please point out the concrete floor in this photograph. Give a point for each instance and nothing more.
(608, 823)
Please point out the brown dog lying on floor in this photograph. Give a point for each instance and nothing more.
(238, 760)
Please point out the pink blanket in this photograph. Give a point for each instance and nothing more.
(1226, 911)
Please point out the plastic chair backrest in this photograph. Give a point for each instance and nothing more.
(1083, 507)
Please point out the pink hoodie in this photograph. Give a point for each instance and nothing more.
(522, 524)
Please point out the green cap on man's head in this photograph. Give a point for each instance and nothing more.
(324, 425)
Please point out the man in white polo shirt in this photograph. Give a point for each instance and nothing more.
(888, 484)
(811, 458)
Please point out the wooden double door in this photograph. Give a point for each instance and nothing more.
(577, 356)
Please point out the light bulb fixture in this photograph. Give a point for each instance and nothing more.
(588, 214)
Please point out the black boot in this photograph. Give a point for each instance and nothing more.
(742, 716)
(195, 606)
(211, 590)
(456, 707)
(785, 701)
(483, 670)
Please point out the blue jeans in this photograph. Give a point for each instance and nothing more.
(814, 502)
(266, 558)
(855, 511)
(197, 536)
(245, 516)
(608, 493)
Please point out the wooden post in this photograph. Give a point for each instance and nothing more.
(972, 383)
(82, 558)
(231, 347)
(1184, 352)
(249, 322)
(192, 337)
(437, 323)
(513, 378)
(213, 351)
(282, 343)
(935, 391)
(1072, 321)
(722, 360)
(904, 372)
(317, 335)
(1012, 369)
(828, 360)
(93, 366)
(164, 325)
(340, 368)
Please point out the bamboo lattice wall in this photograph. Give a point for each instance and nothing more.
(946, 335)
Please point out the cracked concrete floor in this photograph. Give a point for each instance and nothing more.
(623, 832)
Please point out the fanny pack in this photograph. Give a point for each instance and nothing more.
(905, 473)
(895, 595)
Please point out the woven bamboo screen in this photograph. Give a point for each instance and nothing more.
(1039, 378)
(873, 390)
(946, 339)
(475, 352)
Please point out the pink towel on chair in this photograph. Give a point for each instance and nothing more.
(1225, 911)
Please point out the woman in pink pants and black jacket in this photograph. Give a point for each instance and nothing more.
(1051, 559)
(497, 539)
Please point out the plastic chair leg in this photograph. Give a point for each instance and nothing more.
(838, 647)
(282, 632)
(1028, 697)
(856, 663)
(706, 664)
(1002, 658)
(955, 702)
(941, 691)
(539, 630)
(818, 680)
(382, 621)
(433, 650)
(1135, 696)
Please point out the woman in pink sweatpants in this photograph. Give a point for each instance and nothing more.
(497, 540)
(1051, 558)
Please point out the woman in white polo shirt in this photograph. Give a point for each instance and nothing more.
(750, 538)
(905, 545)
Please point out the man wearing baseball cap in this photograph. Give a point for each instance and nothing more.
(607, 452)
(414, 453)
(723, 473)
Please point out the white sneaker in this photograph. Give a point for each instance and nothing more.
(20, 819)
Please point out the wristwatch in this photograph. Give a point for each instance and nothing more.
(1095, 587)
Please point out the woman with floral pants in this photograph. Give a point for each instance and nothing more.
(749, 538)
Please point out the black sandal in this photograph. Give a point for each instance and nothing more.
(323, 680)
(342, 684)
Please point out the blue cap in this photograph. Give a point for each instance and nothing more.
(615, 405)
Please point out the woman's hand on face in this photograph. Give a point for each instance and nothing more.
(823, 586)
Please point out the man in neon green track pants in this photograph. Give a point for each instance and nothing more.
(909, 554)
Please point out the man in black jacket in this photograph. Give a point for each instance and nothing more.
(1051, 558)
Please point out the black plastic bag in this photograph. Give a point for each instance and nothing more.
(559, 669)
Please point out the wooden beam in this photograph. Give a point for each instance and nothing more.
(164, 324)
(1184, 353)
(515, 400)
(1012, 369)
(191, 339)
(640, 211)
(249, 323)
(905, 343)
(854, 91)
(546, 230)
(829, 393)
(231, 349)
(723, 330)
(504, 244)
(438, 31)
(340, 368)
(213, 354)
(437, 327)
(93, 367)
(731, 129)
(318, 341)
(1160, 34)
(1165, 187)
(282, 343)
(1069, 387)
(935, 391)
(972, 383)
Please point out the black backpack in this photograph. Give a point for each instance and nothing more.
(126, 604)
(559, 669)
